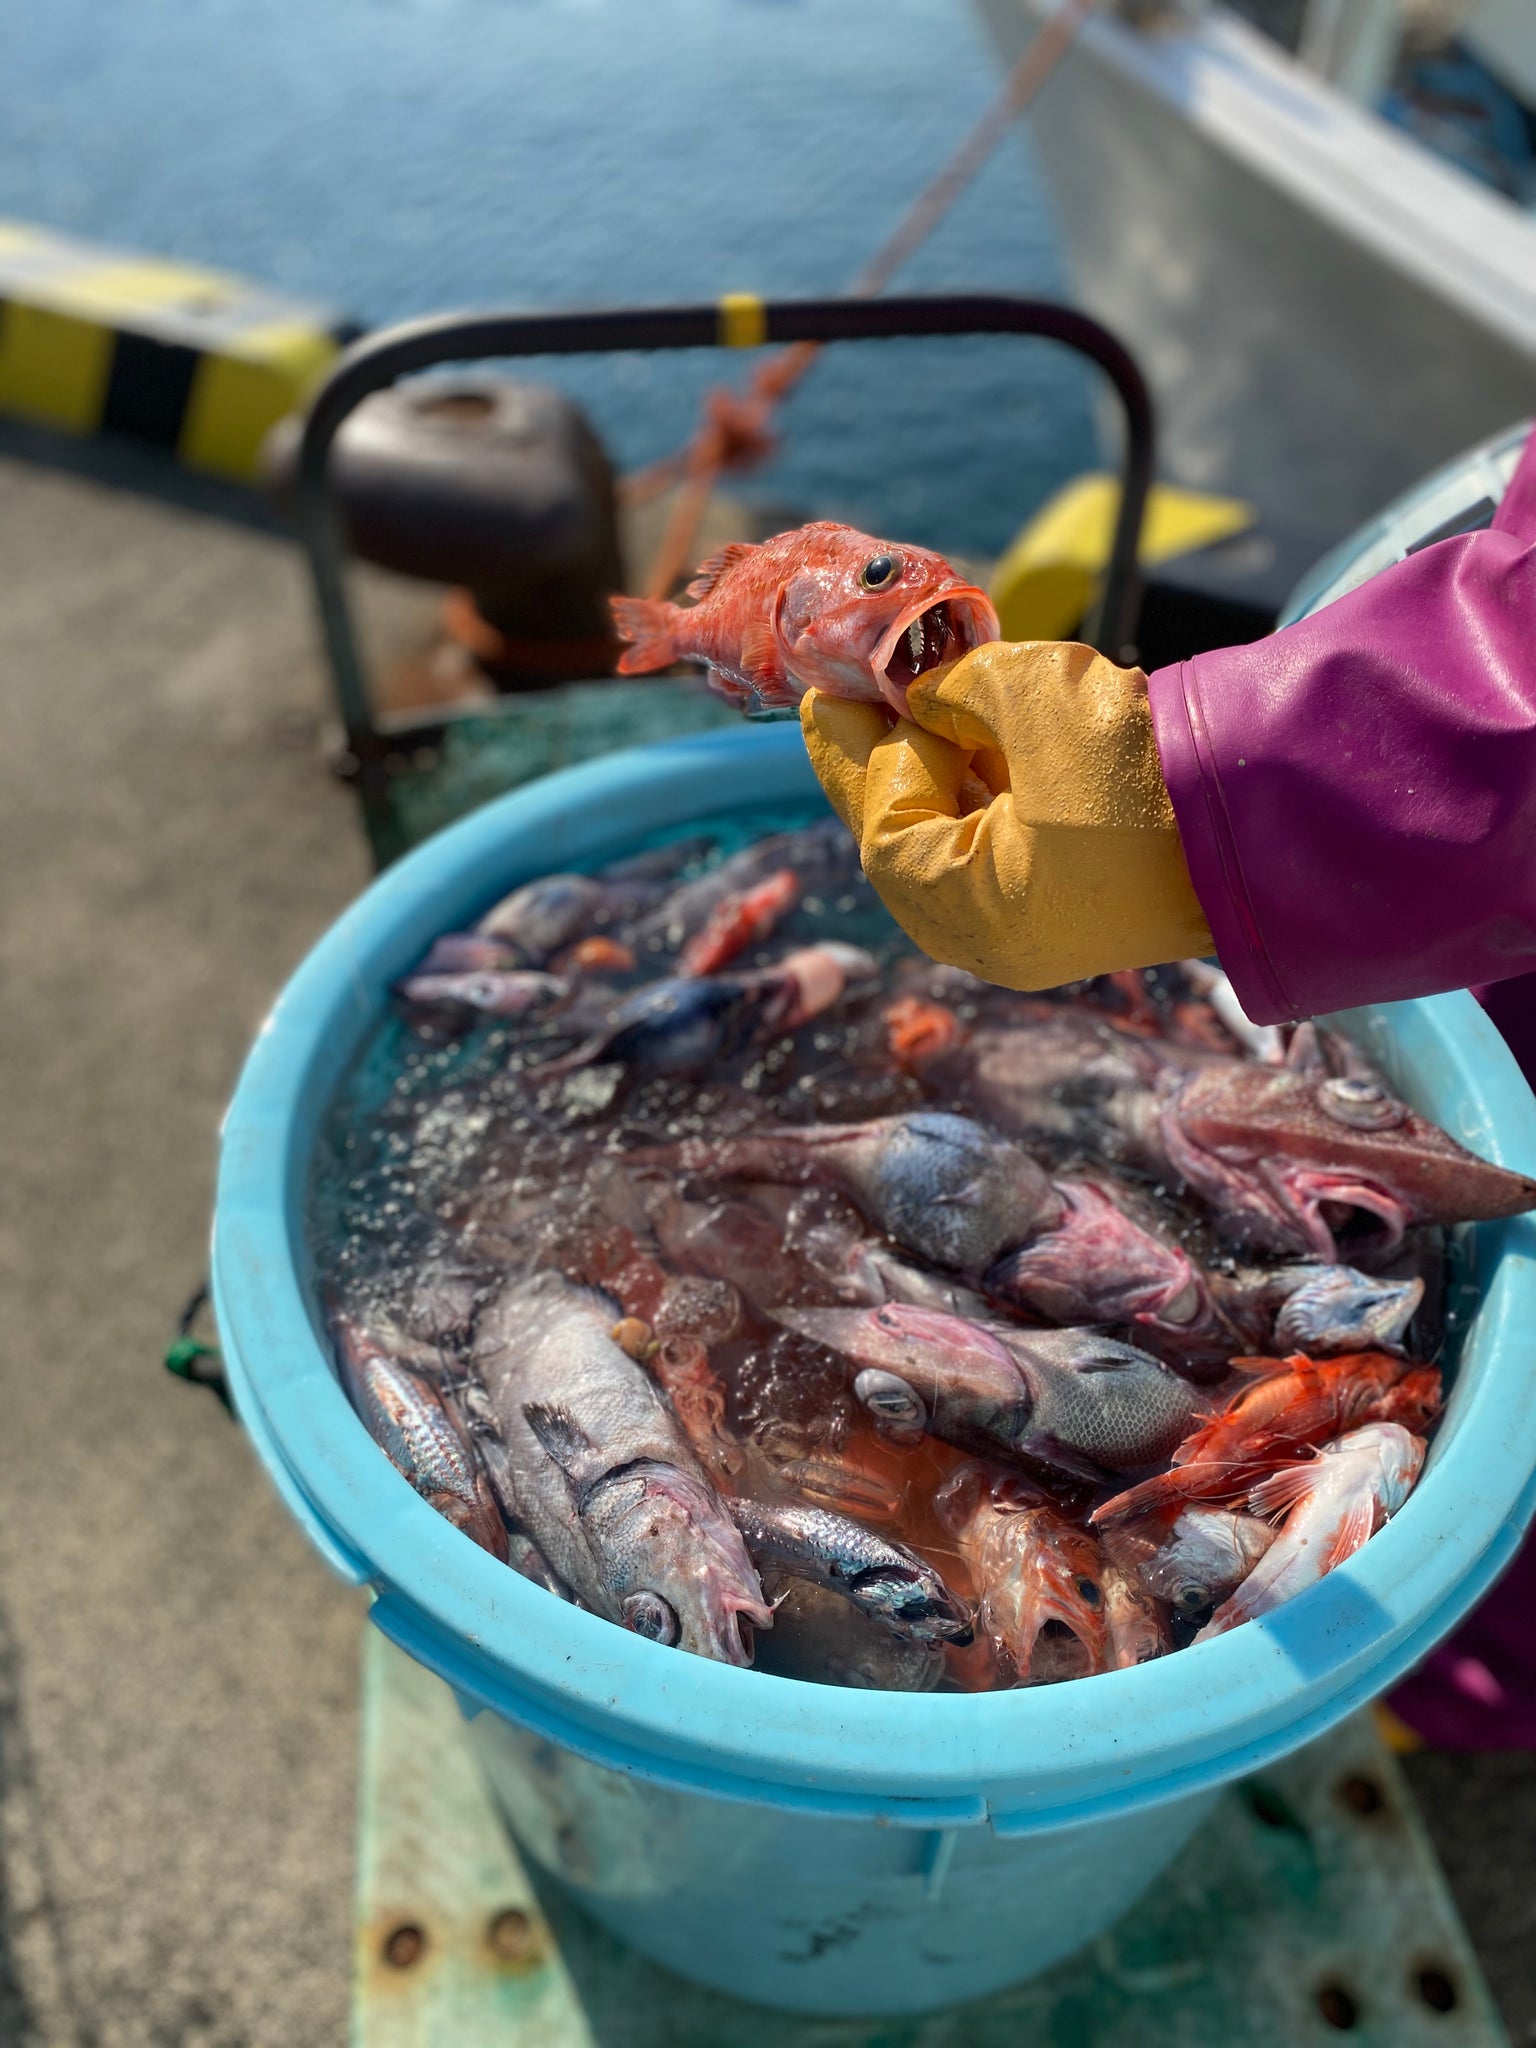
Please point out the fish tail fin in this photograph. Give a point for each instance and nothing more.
(647, 623)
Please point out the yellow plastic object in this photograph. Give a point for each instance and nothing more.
(185, 359)
(743, 320)
(1017, 824)
(1049, 574)
(1395, 1733)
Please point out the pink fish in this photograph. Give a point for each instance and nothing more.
(1333, 1504)
(821, 608)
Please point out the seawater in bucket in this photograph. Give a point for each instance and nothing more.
(805, 1846)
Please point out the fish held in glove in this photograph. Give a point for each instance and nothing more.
(823, 607)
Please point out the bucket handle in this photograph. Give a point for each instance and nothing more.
(377, 361)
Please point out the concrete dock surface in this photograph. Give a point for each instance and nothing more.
(178, 1672)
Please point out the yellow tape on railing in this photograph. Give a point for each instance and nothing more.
(743, 320)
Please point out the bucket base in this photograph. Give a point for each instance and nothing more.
(1313, 1882)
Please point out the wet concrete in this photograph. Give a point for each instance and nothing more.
(177, 1670)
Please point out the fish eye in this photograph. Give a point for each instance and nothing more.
(648, 1615)
(880, 571)
(1362, 1104)
(1090, 1592)
(889, 1398)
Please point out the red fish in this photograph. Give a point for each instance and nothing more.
(918, 1031)
(1039, 1578)
(822, 607)
(1295, 1403)
(738, 921)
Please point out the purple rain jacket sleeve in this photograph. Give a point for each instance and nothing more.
(1357, 793)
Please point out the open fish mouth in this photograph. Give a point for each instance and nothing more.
(927, 635)
(1341, 1212)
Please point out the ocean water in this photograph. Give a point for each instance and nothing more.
(396, 157)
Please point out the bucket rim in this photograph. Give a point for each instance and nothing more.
(1174, 1725)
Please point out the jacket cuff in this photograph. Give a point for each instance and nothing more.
(1210, 848)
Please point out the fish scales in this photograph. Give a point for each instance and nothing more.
(602, 1474)
(822, 607)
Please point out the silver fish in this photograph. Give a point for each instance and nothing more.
(596, 1467)
(469, 953)
(1072, 1401)
(1208, 1552)
(819, 1638)
(954, 1194)
(543, 916)
(884, 1580)
(1337, 1310)
(503, 992)
(525, 1556)
(406, 1417)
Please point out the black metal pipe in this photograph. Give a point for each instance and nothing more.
(379, 360)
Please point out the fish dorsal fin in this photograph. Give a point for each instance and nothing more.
(1267, 1368)
(761, 662)
(1283, 1490)
(563, 1437)
(708, 574)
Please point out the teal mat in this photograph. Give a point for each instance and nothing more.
(1309, 1909)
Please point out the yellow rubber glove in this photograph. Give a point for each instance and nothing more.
(1016, 824)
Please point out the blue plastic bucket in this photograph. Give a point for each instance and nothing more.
(804, 1846)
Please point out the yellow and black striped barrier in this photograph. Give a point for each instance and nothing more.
(193, 361)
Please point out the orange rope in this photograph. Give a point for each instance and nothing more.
(736, 430)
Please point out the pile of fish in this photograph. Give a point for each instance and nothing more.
(725, 1268)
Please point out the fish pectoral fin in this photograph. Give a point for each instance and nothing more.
(1282, 1490)
(1045, 1449)
(563, 1437)
(1355, 1530)
(761, 661)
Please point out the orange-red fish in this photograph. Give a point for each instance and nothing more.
(738, 921)
(1295, 1403)
(1039, 1578)
(823, 607)
(1332, 1505)
(918, 1031)
(597, 955)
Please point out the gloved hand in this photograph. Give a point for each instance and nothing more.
(1016, 824)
